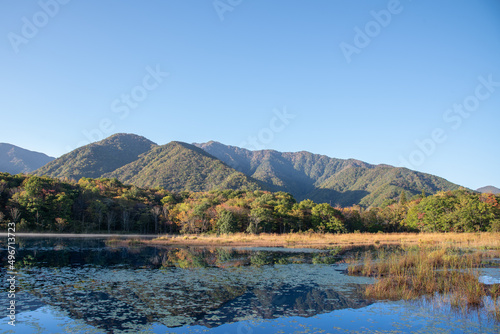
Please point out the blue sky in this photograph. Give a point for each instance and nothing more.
(406, 83)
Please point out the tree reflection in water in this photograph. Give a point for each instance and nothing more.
(117, 288)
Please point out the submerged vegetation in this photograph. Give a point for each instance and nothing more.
(429, 271)
(42, 204)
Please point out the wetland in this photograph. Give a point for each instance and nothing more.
(123, 285)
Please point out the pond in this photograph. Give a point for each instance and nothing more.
(98, 285)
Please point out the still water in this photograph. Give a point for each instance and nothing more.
(81, 285)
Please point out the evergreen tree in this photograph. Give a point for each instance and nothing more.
(226, 223)
(402, 198)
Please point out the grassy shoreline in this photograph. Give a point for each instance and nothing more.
(480, 240)
(442, 271)
(326, 240)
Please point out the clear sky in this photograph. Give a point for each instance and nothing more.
(405, 83)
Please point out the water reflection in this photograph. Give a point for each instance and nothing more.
(117, 288)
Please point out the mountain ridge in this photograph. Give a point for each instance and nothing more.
(15, 159)
(95, 159)
(179, 166)
(489, 189)
(321, 178)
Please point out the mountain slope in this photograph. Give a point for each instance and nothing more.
(179, 166)
(384, 182)
(325, 179)
(98, 158)
(14, 159)
(298, 173)
(489, 189)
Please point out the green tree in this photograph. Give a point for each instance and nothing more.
(402, 198)
(257, 220)
(327, 219)
(226, 222)
(32, 199)
(168, 200)
(302, 212)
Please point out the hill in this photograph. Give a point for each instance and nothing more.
(179, 166)
(98, 158)
(489, 189)
(323, 179)
(14, 159)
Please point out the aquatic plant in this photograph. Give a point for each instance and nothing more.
(426, 270)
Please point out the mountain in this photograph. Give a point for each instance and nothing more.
(489, 189)
(14, 159)
(98, 158)
(323, 179)
(179, 166)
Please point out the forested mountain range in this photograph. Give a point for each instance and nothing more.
(136, 160)
(324, 179)
(96, 159)
(43, 204)
(14, 159)
(179, 166)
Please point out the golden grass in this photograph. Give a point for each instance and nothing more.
(117, 242)
(425, 270)
(319, 240)
(495, 295)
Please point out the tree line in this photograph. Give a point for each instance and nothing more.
(43, 204)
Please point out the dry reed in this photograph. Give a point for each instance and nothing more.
(319, 240)
(426, 270)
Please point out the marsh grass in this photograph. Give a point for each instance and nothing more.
(427, 270)
(135, 241)
(113, 241)
(482, 240)
(117, 242)
(495, 310)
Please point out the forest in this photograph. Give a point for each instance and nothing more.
(105, 205)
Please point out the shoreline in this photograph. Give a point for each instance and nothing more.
(78, 235)
(326, 240)
(294, 240)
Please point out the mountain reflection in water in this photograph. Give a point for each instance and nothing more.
(119, 288)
